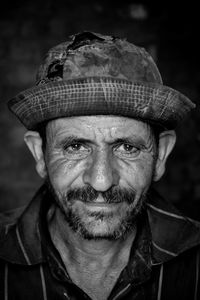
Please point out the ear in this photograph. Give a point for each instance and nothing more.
(34, 143)
(167, 140)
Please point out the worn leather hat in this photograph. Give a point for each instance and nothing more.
(92, 74)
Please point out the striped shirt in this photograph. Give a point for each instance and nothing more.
(163, 263)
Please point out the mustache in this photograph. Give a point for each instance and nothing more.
(113, 195)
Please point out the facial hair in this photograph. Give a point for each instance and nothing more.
(117, 224)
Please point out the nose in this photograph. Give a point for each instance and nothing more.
(101, 172)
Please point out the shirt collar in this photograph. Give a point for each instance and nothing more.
(172, 232)
(24, 237)
(164, 235)
(139, 265)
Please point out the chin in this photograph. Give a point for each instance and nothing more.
(106, 221)
(101, 225)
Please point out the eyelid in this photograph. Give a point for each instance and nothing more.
(81, 152)
(117, 147)
(136, 144)
(129, 154)
(72, 141)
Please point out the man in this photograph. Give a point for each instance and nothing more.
(100, 128)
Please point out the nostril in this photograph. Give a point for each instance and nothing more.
(101, 180)
(101, 173)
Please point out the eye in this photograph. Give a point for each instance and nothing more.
(76, 150)
(73, 147)
(126, 150)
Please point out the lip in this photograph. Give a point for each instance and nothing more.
(100, 203)
(101, 206)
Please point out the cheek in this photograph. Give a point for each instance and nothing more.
(138, 174)
(62, 172)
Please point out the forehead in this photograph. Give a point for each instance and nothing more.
(94, 126)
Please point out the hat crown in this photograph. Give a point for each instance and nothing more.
(92, 74)
(90, 54)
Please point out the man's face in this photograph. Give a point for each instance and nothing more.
(99, 169)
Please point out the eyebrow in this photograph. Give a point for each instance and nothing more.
(74, 138)
(137, 141)
(71, 139)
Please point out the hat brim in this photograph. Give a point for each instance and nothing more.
(100, 96)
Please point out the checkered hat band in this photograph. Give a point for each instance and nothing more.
(100, 96)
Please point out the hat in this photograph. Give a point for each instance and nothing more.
(93, 74)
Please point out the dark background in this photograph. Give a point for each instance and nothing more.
(170, 32)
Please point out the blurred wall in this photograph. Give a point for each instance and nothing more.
(29, 28)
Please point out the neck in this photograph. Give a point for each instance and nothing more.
(73, 247)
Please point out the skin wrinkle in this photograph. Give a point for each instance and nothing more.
(98, 216)
(100, 139)
(60, 161)
(149, 144)
(56, 163)
(124, 155)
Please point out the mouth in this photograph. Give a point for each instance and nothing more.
(101, 206)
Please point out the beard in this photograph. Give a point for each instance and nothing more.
(105, 224)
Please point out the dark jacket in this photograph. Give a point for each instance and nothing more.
(163, 264)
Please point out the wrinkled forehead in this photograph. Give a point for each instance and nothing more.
(96, 126)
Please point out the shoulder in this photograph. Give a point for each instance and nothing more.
(10, 216)
(7, 220)
(172, 232)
